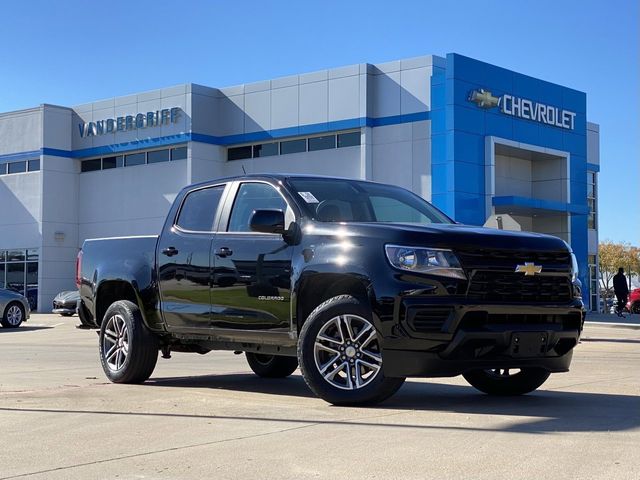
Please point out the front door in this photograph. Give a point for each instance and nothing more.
(184, 268)
(251, 285)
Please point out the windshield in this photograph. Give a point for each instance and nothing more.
(338, 200)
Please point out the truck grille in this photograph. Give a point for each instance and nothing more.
(507, 260)
(493, 278)
(515, 287)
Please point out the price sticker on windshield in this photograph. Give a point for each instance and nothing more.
(308, 197)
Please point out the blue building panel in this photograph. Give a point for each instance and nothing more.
(482, 100)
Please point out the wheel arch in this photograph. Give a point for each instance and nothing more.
(111, 291)
(316, 288)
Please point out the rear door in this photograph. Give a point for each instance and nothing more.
(251, 286)
(183, 255)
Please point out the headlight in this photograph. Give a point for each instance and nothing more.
(574, 268)
(433, 261)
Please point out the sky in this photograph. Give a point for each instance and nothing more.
(72, 52)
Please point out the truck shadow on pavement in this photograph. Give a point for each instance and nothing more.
(544, 411)
(24, 328)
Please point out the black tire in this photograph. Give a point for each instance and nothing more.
(142, 351)
(375, 389)
(492, 382)
(271, 366)
(635, 308)
(5, 320)
(66, 314)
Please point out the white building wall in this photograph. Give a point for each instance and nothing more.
(56, 270)
(401, 154)
(343, 162)
(21, 131)
(128, 201)
(21, 210)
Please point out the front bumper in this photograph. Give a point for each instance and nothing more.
(64, 311)
(440, 340)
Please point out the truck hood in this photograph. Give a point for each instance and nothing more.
(452, 236)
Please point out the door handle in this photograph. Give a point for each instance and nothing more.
(223, 252)
(170, 251)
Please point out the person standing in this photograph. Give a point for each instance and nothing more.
(621, 290)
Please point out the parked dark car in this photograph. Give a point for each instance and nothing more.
(360, 284)
(14, 308)
(66, 303)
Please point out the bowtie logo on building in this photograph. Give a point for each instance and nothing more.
(484, 99)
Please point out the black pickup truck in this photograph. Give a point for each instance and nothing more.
(360, 284)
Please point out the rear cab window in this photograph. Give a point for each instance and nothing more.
(198, 210)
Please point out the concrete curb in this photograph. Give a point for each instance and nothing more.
(631, 326)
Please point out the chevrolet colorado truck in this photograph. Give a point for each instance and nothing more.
(360, 284)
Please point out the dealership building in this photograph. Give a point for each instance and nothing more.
(477, 140)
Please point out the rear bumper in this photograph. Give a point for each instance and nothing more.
(475, 337)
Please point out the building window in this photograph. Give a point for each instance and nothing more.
(179, 153)
(33, 165)
(134, 159)
(112, 162)
(239, 153)
(19, 272)
(322, 143)
(293, 146)
(17, 167)
(265, 150)
(157, 156)
(350, 139)
(91, 165)
(297, 145)
(591, 200)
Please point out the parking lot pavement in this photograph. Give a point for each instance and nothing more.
(209, 417)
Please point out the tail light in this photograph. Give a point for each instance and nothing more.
(79, 269)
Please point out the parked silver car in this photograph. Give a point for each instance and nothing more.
(66, 303)
(14, 308)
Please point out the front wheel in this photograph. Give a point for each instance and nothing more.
(340, 354)
(13, 315)
(271, 366)
(128, 350)
(507, 382)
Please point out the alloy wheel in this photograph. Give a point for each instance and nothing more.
(347, 352)
(115, 347)
(14, 315)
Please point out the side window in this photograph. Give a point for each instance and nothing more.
(199, 209)
(253, 196)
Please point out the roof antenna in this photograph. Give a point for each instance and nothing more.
(243, 170)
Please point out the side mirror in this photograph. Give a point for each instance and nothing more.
(267, 221)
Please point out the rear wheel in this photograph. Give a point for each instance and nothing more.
(506, 382)
(128, 350)
(271, 366)
(635, 308)
(13, 315)
(340, 354)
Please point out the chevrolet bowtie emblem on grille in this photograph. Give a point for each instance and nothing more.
(484, 99)
(529, 268)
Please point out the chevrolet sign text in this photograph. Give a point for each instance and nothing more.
(538, 112)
